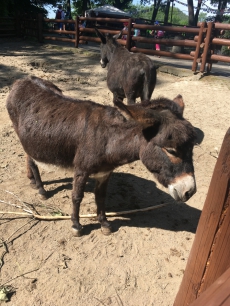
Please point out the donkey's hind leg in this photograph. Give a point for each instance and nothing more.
(100, 195)
(35, 178)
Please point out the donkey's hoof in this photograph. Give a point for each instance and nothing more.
(77, 232)
(106, 230)
(43, 196)
(33, 185)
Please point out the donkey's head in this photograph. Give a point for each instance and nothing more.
(167, 145)
(108, 44)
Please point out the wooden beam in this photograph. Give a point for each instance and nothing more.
(218, 294)
(210, 254)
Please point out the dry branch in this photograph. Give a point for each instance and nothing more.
(109, 214)
(18, 206)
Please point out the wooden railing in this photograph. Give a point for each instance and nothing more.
(200, 42)
(7, 27)
(202, 46)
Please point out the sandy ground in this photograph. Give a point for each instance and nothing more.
(143, 261)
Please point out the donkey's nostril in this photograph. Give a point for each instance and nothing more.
(186, 196)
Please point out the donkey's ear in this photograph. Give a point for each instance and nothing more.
(122, 108)
(179, 101)
(146, 117)
(117, 36)
(101, 36)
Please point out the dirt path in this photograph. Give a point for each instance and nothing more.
(142, 262)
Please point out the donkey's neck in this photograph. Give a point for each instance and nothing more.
(125, 147)
(114, 49)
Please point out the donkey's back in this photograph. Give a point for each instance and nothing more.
(44, 118)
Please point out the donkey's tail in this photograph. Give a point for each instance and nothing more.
(149, 82)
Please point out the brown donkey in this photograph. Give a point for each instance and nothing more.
(94, 139)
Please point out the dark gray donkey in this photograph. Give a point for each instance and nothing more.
(130, 75)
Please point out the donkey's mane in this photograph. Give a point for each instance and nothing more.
(162, 103)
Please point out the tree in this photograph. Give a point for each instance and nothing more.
(156, 5)
(14, 7)
(140, 11)
(221, 5)
(197, 12)
(190, 13)
(202, 17)
(80, 6)
(166, 11)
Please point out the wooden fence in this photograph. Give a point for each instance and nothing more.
(202, 46)
(7, 27)
(206, 279)
(201, 42)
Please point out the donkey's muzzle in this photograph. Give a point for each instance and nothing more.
(183, 188)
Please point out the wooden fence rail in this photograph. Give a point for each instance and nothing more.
(202, 46)
(201, 42)
(7, 27)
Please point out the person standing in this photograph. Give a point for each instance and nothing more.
(124, 37)
(60, 14)
(157, 34)
(137, 32)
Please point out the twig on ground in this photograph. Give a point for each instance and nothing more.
(18, 206)
(100, 301)
(108, 214)
(17, 213)
(9, 280)
(119, 298)
(7, 239)
(210, 153)
(15, 205)
(4, 253)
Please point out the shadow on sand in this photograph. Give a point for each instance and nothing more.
(128, 192)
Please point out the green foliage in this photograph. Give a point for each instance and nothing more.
(140, 11)
(77, 8)
(202, 16)
(226, 35)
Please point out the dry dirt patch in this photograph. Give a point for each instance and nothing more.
(142, 262)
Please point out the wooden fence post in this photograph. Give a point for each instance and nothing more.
(76, 32)
(17, 25)
(210, 254)
(206, 46)
(129, 36)
(40, 28)
(200, 40)
(218, 294)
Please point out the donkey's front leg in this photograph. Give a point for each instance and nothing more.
(100, 195)
(79, 182)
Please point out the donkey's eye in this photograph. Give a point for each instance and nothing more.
(171, 151)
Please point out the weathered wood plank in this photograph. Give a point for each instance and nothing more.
(218, 294)
(210, 253)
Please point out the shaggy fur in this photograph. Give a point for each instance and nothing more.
(130, 75)
(94, 139)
